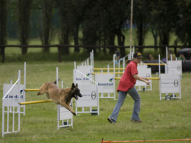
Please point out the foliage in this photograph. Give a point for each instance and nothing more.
(183, 22)
(45, 26)
(141, 20)
(87, 22)
(24, 9)
(3, 25)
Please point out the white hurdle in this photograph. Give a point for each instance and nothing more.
(14, 94)
(169, 84)
(89, 91)
(63, 115)
(11, 98)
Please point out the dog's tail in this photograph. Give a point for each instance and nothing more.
(55, 81)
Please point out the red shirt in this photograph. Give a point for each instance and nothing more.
(127, 80)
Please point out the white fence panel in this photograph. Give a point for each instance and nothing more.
(89, 98)
(174, 67)
(170, 83)
(105, 85)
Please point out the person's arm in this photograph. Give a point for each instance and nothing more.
(183, 57)
(141, 79)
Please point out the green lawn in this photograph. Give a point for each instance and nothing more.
(162, 119)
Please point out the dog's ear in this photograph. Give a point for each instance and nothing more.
(76, 85)
(73, 86)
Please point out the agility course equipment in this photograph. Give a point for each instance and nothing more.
(11, 97)
(13, 104)
(34, 102)
(89, 90)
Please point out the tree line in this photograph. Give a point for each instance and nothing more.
(99, 22)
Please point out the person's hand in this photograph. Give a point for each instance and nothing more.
(147, 82)
(145, 78)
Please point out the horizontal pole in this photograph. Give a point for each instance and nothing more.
(152, 64)
(153, 78)
(31, 89)
(97, 69)
(35, 102)
(108, 73)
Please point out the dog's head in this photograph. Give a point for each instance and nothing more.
(75, 91)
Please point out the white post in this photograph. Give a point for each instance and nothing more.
(58, 115)
(19, 112)
(98, 98)
(159, 78)
(114, 74)
(57, 77)
(3, 117)
(25, 69)
(124, 64)
(74, 65)
(131, 24)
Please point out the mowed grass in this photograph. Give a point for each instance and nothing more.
(162, 119)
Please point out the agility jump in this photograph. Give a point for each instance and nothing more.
(13, 104)
(35, 102)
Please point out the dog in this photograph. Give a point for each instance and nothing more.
(60, 96)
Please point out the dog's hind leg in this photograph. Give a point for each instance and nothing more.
(68, 107)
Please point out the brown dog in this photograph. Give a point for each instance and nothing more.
(60, 96)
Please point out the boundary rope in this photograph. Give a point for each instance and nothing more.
(102, 141)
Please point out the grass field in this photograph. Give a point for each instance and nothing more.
(162, 119)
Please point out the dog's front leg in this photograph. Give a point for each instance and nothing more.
(42, 89)
(68, 107)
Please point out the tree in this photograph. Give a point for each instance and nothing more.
(64, 7)
(24, 8)
(141, 21)
(103, 21)
(3, 26)
(182, 24)
(46, 29)
(164, 15)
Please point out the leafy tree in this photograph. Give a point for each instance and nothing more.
(64, 7)
(76, 18)
(141, 21)
(46, 29)
(3, 25)
(182, 24)
(164, 15)
(103, 21)
(24, 9)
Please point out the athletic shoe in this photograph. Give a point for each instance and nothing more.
(111, 120)
(137, 121)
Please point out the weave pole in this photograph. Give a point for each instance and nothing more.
(102, 141)
(35, 102)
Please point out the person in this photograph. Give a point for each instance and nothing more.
(149, 56)
(118, 56)
(181, 57)
(169, 55)
(127, 85)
